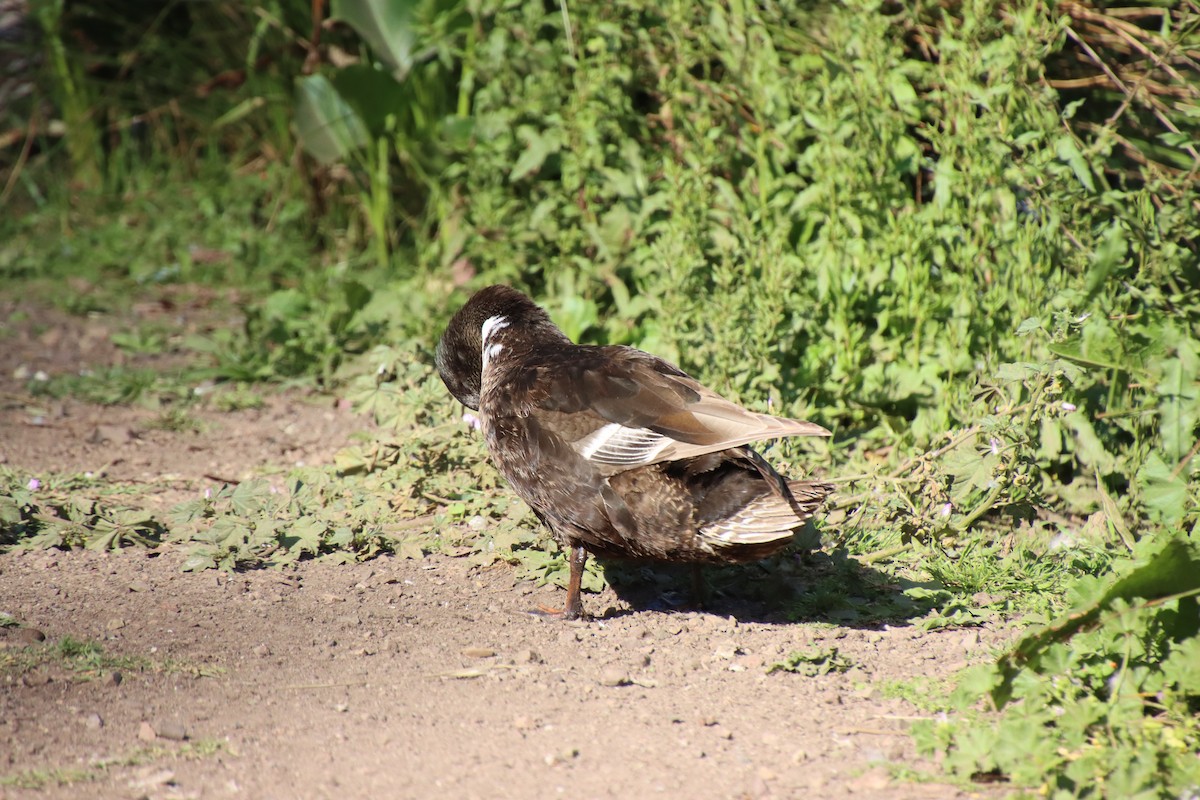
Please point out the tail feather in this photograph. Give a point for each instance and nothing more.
(770, 517)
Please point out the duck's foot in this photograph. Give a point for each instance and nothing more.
(574, 607)
(558, 613)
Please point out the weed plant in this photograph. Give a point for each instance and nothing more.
(963, 237)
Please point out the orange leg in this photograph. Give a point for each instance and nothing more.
(578, 558)
(574, 608)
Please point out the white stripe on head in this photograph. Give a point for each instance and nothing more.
(490, 326)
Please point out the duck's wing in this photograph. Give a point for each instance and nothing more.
(620, 408)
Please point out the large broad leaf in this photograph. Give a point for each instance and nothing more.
(1109, 254)
(1164, 490)
(1169, 570)
(1179, 394)
(1099, 345)
(327, 126)
(386, 25)
(373, 94)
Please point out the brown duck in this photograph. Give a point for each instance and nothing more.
(618, 452)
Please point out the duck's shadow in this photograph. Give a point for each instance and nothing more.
(791, 587)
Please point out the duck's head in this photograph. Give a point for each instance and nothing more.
(494, 320)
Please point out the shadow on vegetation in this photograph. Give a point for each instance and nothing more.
(791, 587)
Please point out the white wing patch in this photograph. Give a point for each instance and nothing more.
(490, 326)
(617, 445)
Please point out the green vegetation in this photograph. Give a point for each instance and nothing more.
(964, 237)
(86, 658)
(819, 661)
(38, 779)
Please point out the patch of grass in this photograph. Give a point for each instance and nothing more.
(839, 589)
(177, 419)
(926, 694)
(142, 340)
(37, 779)
(236, 398)
(47, 777)
(76, 655)
(116, 385)
(88, 660)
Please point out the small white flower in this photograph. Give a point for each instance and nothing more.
(208, 494)
(1068, 406)
(33, 485)
(994, 444)
(472, 421)
(946, 509)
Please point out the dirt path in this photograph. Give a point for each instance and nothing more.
(402, 678)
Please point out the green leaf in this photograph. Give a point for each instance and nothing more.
(1028, 326)
(1068, 152)
(975, 683)
(248, 497)
(373, 94)
(1164, 493)
(538, 147)
(326, 125)
(198, 562)
(1088, 447)
(1109, 254)
(304, 535)
(386, 25)
(812, 663)
(1179, 398)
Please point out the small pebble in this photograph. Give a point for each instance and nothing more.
(152, 778)
(169, 729)
(93, 721)
(529, 657)
(478, 652)
(726, 650)
(29, 636)
(614, 677)
(146, 732)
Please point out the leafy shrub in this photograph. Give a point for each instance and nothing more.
(1105, 702)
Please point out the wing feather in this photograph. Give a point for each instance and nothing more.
(627, 409)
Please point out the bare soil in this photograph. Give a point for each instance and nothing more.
(394, 678)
